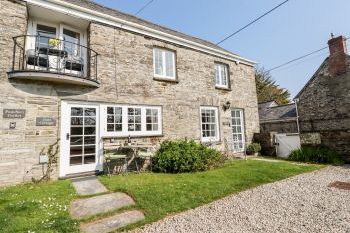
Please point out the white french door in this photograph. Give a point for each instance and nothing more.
(237, 122)
(79, 139)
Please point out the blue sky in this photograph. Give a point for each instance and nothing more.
(298, 27)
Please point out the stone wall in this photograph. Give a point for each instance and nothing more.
(125, 70)
(324, 107)
(279, 127)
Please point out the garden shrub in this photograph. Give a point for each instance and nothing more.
(253, 148)
(316, 154)
(185, 156)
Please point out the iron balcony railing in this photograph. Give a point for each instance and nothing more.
(46, 54)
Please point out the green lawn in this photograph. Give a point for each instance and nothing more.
(37, 208)
(45, 207)
(161, 194)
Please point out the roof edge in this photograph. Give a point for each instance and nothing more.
(88, 14)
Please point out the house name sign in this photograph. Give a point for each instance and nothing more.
(13, 113)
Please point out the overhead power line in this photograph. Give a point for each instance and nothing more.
(299, 58)
(252, 22)
(144, 7)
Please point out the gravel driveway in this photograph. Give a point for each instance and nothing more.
(303, 203)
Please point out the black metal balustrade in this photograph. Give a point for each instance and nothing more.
(44, 54)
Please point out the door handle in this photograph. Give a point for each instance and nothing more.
(67, 136)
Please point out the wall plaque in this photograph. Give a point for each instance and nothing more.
(45, 121)
(14, 113)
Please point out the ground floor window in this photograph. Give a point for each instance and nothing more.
(237, 123)
(209, 124)
(124, 120)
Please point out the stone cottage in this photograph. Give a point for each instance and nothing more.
(78, 73)
(324, 102)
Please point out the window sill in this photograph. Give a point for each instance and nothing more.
(132, 136)
(223, 88)
(165, 79)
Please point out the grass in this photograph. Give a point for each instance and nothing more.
(37, 208)
(159, 195)
(45, 207)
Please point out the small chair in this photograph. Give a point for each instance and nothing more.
(111, 154)
(146, 154)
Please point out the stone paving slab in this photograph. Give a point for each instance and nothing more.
(88, 186)
(112, 223)
(83, 208)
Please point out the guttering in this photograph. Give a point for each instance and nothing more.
(88, 14)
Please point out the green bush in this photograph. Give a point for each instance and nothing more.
(253, 148)
(316, 154)
(185, 156)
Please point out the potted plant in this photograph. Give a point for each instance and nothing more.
(253, 149)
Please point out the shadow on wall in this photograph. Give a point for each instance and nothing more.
(50, 89)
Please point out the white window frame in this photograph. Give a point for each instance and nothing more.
(218, 75)
(242, 133)
(163, 52)
(217, 136)
(125, 132)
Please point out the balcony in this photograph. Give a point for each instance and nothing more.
(53, 60)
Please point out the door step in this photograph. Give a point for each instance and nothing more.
(112, 223)
(81, 174)
(88, 186)
(87, 207)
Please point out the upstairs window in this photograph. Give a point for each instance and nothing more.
(209, 124)
(164, 63)
(221, 75)
(45, 33)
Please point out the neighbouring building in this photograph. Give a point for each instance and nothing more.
(83, 74)
(324, 102)
(275, 119)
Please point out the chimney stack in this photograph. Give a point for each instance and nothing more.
(338, 56)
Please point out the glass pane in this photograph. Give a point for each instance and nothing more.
(149, 127)
(76, 131)
(76, 121)
(76, 160)
(89, 159)
(110, 127)
(130, 111)
(155, 127)
(118, 119)
(76, 150)
(90, 112)
(148, 112)
(89, 149)
(131, 119)
(90, 121)
(110, 110)
(118, 111)
(76, 111)
(131, 127)
(118, 127)
(137, 111)
(138, 127)
(76, 141)
(138, 119)
(71, 42)
(89, 130)
(148, 119)
(110, 119)
(89, 140)
(169, 61)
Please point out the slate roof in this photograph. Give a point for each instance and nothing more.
(115, 13)
(282, 112)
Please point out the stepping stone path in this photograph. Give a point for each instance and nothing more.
(112, 223)
(103, 203)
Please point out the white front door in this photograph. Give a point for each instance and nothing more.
(79, 139)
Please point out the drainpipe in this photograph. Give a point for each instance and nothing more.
(296, 109)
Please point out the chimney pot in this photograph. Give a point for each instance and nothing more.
(338, 56)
